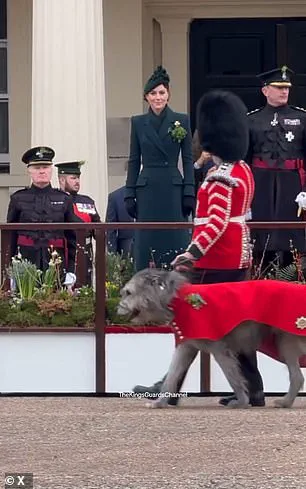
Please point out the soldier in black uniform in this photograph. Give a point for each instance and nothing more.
(277, 155)
(84, 207)
(41, 203)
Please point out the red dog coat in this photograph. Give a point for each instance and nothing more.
(212, 311)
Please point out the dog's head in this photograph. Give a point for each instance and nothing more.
(145, 298)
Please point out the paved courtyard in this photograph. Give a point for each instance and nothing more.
(119, 444)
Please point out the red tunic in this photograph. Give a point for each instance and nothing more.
(84, 208)
(278, 304)
(221, 238)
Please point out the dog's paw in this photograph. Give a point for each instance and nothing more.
(281, 403)
(235, 404)
(155, 405)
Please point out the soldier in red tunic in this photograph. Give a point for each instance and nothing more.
(220, 249)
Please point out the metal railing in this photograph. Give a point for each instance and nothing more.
(100, 229)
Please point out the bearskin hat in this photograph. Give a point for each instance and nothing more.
(223, 125)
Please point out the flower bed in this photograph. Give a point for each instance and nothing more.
(38, 299)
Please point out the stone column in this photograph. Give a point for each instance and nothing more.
(68, 93)
(175, 59)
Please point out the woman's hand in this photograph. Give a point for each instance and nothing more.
(183, 262)
(131, 207)
(203, 159)
(189, 204)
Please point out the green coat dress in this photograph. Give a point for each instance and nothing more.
(156, 183)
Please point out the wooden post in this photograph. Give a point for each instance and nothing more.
(5, 256)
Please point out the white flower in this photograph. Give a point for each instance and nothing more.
(177, 123)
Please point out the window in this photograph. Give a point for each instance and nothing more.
(4, 99)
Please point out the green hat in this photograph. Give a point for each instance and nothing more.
(70, 167)
(40, 155)
(159, 77)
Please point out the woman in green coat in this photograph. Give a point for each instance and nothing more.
(156, 191)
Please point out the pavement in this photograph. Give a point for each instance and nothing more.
(112, 443)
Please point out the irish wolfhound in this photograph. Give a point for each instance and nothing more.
(150, 297)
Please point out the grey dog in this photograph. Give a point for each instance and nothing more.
(146, 298)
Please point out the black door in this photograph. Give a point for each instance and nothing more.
(229, 53)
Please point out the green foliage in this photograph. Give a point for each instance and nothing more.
(83, 311)
(5, 309)
(62, 321)
(38, 299)
(178, 133)
(24, 314)
(28, 281)
(119, 270)
(287, 274)
(111, 310)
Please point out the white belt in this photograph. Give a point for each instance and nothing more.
(204, 220)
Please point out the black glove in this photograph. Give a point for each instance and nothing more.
(189, 204)
(183, 265)
(131, 207)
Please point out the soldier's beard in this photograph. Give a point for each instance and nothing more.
(70, 190)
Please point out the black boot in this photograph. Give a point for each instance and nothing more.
(248, 365)
(156, 388)
(152, 389)
(256, 400)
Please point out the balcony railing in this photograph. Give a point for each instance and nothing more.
(100, 230)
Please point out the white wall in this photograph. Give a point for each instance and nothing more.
(47, 362)
(123, 57)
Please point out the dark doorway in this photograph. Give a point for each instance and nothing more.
(229, 53)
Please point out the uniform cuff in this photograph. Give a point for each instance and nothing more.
(194, 250)
(188, 190)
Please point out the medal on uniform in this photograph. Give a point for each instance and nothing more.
(289, 136)
(86, 208)
(275, 121)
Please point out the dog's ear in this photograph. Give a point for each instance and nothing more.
(158, 281)
(154, 277)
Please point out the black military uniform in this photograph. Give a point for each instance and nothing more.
(277, 155)
(84, 209)
(42, 205)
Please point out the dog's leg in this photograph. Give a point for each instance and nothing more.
(290, 351)
(228, 362)
(182, 359)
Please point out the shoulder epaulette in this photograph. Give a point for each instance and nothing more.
(297, 108)
(223, 174)
(21, 190)
(60, 191)
(83, 196)
(255, 110)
